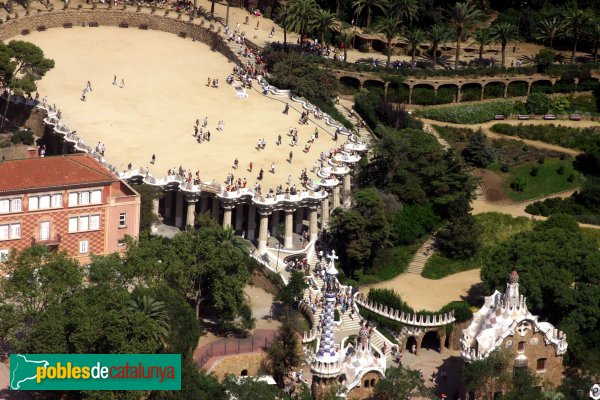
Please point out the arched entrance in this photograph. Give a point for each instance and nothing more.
(349, 84)
(410, 342)
(493, 90)
(517, 88)
(470, 92)
(423, 94)
(446, 94)
(373, 84)
(541, 86)
(431, 341)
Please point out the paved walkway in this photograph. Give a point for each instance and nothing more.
(421, 256)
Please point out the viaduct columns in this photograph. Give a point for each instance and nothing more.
(262, 230)
(191, 210)
(288, 241)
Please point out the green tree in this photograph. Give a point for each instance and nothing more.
(577, 21)
(525, 385)
(505, 33)
(477, 151)
(407, 10)
(23, 63)
(283, 18)
(155, 311)
(301, 15)
(369, 5)
(483, 37)
(231, 242)
(538, 103)
(402, 383)
(250, 388)
(293, 292)
(195, 384)
(550, 29)
(390, 27)
(594, 37)
(285, 352)
(413, 222)
(325, 21)
(461, 16)
(346, 38)
(148, 193)
(460, 238)
(414, 38)
(490, 375)
(438, 35)
(544, 59)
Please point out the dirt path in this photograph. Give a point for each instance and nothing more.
(535, 143)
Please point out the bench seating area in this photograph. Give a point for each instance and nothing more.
(499, 117)
(523, 117)
(549, 117)
(575, 117)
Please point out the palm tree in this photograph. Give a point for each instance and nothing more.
(390, 27)
(414, 38)
(407, 10)
(483, 37)
(505, 33)
(284, 21)
(370, 5)
(550, 29)
(461, 16)
(325, 21)
(301, 13)
(594, 37)
(438, 35)
(346, 38)
(154, 310)
(229, 240)
(576, 21)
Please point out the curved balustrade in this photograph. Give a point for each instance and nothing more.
(419, 320)
(344, 157)
(326, 172)
(355, 146)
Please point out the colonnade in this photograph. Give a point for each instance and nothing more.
(280, 220)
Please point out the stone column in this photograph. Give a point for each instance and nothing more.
(191, 211)
(506, 89)
(482, 90)
(325, 213)
(227, 215)
(275, 223)
(251, 222)
(289, 229)
(459, 94)
(347, 185)
(179, 210)
(435, 90)
(385, 90)
(215, 208)
(299, 219)
(262, 232)
(203, 204)
(410, 88)
(168, 205)
(336, 197)
(312, 223)
(529, 88)
(155, 209)
(239, 217)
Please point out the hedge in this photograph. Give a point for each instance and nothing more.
(468, 114)
(575, 138)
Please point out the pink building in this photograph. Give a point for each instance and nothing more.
(68, 202)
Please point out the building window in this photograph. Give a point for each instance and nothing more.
(10, 231)
(4, 255)
(521, 346)
(96, 196)
(16, 205)
(72, 199)
(84, 223)
(84, 246)
(45, 230)
(4, 206)
(11, 205)
(541, 364)
(85, 198)
(122, 220)
(57, 201)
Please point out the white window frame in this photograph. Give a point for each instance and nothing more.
(73, 224)
(16, 205)
(123, 224)
(15, 231)
(96, 197)
(94, 223)
(4, 232)
(34, 202)
(84, 198)
(44, 201)
(73, 199)
(84, 246)
(84, 223)
(4, 206)
(56, 200)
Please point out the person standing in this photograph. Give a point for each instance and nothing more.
(290, 158)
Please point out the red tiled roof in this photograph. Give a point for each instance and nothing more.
(52, 172)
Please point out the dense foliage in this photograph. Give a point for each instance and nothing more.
(575, 138)
(559, 272)
(469, 114)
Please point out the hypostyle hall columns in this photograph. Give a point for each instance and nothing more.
(155, 207)
(262, 230)
(168, 204)
(325, 213)
(336, 197)
(299, 219)
(289, 229)
(251, 221)
(312, 223)
(179, 210)
(275, 223)
(191, 210)
(227, 215)
(239, 217)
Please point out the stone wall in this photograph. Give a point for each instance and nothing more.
(235, 364)
(105, 17)
(361, 391)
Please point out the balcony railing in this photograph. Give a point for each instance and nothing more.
(48, 241)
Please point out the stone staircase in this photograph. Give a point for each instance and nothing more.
(422, 255)
(365, 134)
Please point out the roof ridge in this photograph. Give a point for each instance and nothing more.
(105, 173)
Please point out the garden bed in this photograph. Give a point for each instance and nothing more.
(574, 138)
(469, 114)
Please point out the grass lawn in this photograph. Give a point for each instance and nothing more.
(547, 181)
(495, 228)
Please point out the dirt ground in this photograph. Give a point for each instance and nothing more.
(492, 184)
(429, 294)
(165, 92)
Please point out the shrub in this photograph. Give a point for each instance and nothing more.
(534, 171)
(561, 170)
(478, 152)
(504, 168)
(538, 103)
(462, 310)
(24, 137)
(412, 222)
(574, 138)
(390, 298)
(541, 160)
(468, 114)
(518, 185)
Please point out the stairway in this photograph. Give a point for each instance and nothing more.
(365, 134)
(422, 255)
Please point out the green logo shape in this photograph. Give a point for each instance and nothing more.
(95, 371)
